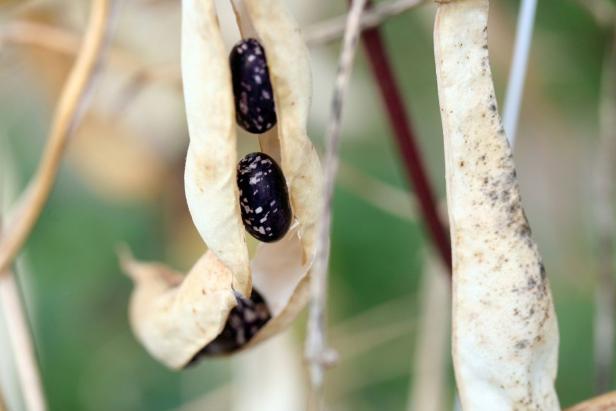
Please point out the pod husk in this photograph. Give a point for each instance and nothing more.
(288, 262)
(505, 335)
(174, 322)
(210, 175)
(174, 316)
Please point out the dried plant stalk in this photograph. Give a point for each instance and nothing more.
(430, 361)
(26, 211)
(277, 366)
(606, 402)
(13, 308)
(505, 335)
(318, 353)
(22, 345)
(605, 223)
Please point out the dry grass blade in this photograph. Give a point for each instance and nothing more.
(605, 298)
(605, 402)
(22, 345)
(330, 30)
(317, 351)
(430, 361)
(26, 211)
(41, 35)
(405, 138)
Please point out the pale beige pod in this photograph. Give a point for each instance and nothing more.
(505, 335)
(175, 317)
(210, 175)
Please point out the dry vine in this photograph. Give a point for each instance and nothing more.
(25, 213)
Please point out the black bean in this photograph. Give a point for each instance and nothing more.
(255, 109)
(264, 198)
(244, 321)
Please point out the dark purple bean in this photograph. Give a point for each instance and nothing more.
(264, 198)
(244, 321)
(255, 109)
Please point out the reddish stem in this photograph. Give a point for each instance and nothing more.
(406, 140)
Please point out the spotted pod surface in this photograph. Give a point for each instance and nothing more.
(504, 328)
(264, 199)
(255, 110)
(244, 321)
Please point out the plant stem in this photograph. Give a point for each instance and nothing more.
(604, 402)
(318, 354)
(605, 298)
(25, 213)
(406, 141)
(21, 343)
(519, 66)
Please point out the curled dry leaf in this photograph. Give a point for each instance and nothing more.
(177, 318)
(505, 336)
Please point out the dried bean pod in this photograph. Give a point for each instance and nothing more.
(176, 319)
(211, 193)
(505, 335)
(287, 263)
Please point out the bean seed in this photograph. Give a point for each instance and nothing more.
(255, 109)
(264, 198)
(244, 321)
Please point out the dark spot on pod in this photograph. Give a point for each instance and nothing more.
(244, 321)
(264, 199)
(255, 109)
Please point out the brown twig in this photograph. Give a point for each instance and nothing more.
(406, 141)
(606, 402)
(605, 298)
(318, 354)
(26, 211)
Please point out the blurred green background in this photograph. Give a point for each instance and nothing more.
(131, 191)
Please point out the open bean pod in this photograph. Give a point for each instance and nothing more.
(177, 318)
(505, 335)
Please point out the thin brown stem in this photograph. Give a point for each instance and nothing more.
(26, 211)
(407, 142)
